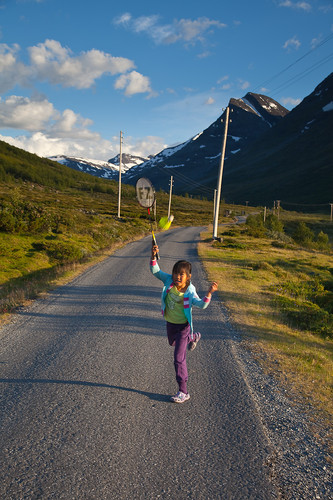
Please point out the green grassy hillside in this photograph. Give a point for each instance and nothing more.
(52, 218)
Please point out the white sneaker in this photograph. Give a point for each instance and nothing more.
(192, 345)
(180, 397)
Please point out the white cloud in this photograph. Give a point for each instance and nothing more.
(292, 43)
(210, 101)
(51, 132)
(12, 72)
(185, 30)
(243, 84)
(133, 83)
(56, 64)
(50, 61)
(123, 19)
(94, 147)
(22, 113)
(296, 5)
(39, 115)
(44, 145)
(325, 8)
(290, 101)
(222, 79)
(204, 55)
(316, 41)
(143, 146)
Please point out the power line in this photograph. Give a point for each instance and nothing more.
(303, 73)
(327, 39)
(182, 177)
(305, 204)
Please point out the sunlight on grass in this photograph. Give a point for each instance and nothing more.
(248, 269)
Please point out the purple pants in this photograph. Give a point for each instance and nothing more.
(179, 336)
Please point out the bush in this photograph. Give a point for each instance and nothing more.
(307, 305)
(62, 251)
(20, 216)
(322, 241)
(307, 316)
(255, 226)
(273, 224)
(303, 235)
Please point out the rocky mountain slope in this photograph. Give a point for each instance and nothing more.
(106, 169)
(271, 154)
(195, 161)
(292, 162)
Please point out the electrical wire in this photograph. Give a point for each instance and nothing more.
(327, 39)
(182, 177)
(304, 204)
(303, 73)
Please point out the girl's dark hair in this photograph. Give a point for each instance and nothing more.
(182, 265)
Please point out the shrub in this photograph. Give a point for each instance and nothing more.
(255, 226)
(307, 316)
(307, 305)
(273, 224)
(23, 216)
(322, 241)
(303, 234)
(62, 251)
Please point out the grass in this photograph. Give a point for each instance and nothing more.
(254, 276)
(53, 232)
(56, 221)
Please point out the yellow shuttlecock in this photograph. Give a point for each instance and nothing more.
(165, 222)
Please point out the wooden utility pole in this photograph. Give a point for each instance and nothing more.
(214, 202)
(278, 209)
(331, 211)
(120, 163)
(219, 182)
(170, 193)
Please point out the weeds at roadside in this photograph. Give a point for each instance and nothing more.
(281, 298)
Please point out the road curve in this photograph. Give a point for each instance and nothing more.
(86, 376)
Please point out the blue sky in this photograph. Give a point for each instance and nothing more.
(74, 73)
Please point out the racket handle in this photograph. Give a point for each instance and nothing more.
(154, 241)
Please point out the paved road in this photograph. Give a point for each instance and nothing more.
(87, 374)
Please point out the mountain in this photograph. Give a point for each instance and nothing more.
(271, 154)
(195, 161)
(105, 169)
(292, 162)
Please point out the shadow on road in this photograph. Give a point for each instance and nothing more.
(151, 395)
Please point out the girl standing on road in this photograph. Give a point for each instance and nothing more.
(178, 297)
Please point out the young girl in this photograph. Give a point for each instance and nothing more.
(178, 297)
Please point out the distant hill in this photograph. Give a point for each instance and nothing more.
(105, 169)
(271, 153)
(292, 162)
(193, 162)
(19, 165)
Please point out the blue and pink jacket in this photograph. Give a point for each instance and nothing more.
(191, 298)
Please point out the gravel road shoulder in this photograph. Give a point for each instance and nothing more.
(301, 464)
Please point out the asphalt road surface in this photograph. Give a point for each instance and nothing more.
(87, 374)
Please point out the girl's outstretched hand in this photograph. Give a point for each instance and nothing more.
(213, 287)
(154, 251)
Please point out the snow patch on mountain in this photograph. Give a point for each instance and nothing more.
(328, 107)
(197, 136)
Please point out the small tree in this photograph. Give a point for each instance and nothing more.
(322, 240)
(255, 225)
(272, 223)
(303, 234)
